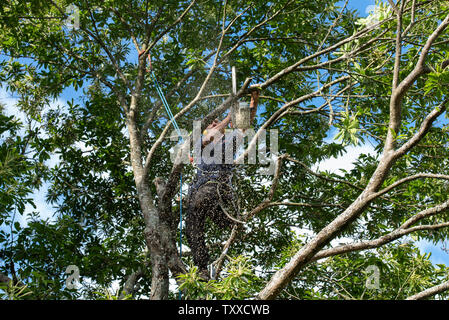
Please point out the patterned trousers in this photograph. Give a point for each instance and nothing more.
(205, 202)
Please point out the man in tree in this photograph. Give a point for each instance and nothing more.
(211, 194)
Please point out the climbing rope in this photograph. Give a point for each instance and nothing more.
(175, 124)
(165, 103)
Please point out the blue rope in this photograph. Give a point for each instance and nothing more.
(175, 124)
(165, 103)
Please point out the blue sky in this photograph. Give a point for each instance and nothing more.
(360, 5)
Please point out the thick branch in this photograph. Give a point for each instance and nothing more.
(424, 128)
(4, 279)
(402, 230)
(189, 105)
(411, 178)
(399, 92)
(430, 292)
(364, 245)
(130, 284)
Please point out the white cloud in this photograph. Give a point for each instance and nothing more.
(45, 210)
(82, 146)
(375, 13)
(370, 9)
(9, 103)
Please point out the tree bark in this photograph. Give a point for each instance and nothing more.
(159, 230)
(389, 156)
(430, 292)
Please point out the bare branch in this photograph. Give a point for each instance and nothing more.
(425, 214)
(176, 22)
(295, 66)
(398, 53)
(4, 279)
(430, 292)
(275, 116)
(364, 245)
(105, 48)
(218, 263)
(249, 32)
(334, 24)
(411, 178)
(412, 20)
(322, 176)
(395, 8)
(425, 126)
(304, 204)
(401, 231)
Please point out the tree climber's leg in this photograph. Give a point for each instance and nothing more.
(227, 200)
(195, 232)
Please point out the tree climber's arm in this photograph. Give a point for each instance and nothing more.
(215, 130)
(253, 104)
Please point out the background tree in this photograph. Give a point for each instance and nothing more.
(320, 68)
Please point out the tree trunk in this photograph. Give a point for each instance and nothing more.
(152, 233)
(159, 230)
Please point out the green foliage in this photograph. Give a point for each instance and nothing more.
(349, 129)
(98, 223)
(403, 271)
(19, 174)
(437, 83)
(14, 291)
(238, 282)
(106, 294)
